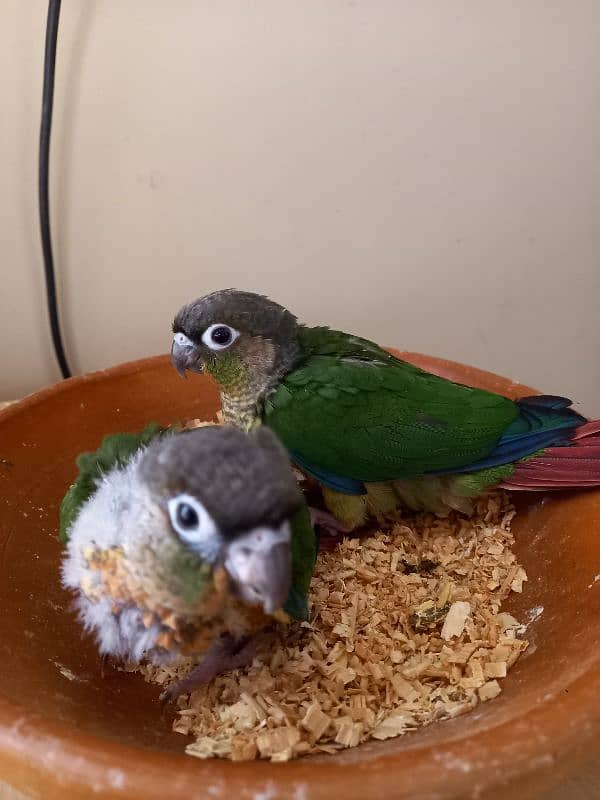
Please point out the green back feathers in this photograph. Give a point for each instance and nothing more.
(356, 411)
(114, 452)
(323, 341)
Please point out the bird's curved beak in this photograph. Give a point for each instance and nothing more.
(260, 566)
(184, 355)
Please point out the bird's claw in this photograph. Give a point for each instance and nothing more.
(226, 653)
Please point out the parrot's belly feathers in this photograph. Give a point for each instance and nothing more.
(134, 619)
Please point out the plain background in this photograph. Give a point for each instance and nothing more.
(425, 174)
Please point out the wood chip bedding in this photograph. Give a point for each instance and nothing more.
(406, 628)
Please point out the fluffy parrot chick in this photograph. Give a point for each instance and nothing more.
(185, 544)
(373, 430)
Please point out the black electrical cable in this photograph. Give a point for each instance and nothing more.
(43, 180)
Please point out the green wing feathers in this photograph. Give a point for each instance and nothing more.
(115, 451)
(355, 410)
(304, 554)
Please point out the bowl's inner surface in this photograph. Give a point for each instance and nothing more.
(51, 672)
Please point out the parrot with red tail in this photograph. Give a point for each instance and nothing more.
(374, 431)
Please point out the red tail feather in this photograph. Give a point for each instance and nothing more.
(574, 466)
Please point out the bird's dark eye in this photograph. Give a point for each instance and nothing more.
(221, 335)
(187, 517)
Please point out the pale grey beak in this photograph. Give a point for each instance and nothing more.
(184, 354)
(260, 565)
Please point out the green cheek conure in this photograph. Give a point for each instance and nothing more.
(186, 544)
(373, 430)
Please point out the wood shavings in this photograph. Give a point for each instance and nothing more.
(489, 690)
(67, 673)
(454, 624)
(406, 628)
(191, 424)
(348, 732)
(517, 582)
(394, 725)
(278, 744)
(315, 721)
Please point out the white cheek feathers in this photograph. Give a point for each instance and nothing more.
(219, 336)
(194, 526)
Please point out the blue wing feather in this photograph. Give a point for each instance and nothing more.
(544, 421)
(336, 482)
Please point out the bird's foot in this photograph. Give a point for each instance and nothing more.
(224, 654)
(326, 521)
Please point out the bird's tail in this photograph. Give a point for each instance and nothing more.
(575, 464)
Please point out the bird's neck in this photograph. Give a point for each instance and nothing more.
(241, 408)
(246, 383)
(243, 393)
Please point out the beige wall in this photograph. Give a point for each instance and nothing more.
(425, 173)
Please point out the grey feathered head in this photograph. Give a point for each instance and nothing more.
(236, 327)
(242, 480)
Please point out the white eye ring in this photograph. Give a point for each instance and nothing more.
(194, 526)
(207, 336)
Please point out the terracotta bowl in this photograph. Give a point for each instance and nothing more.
(67, 732)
